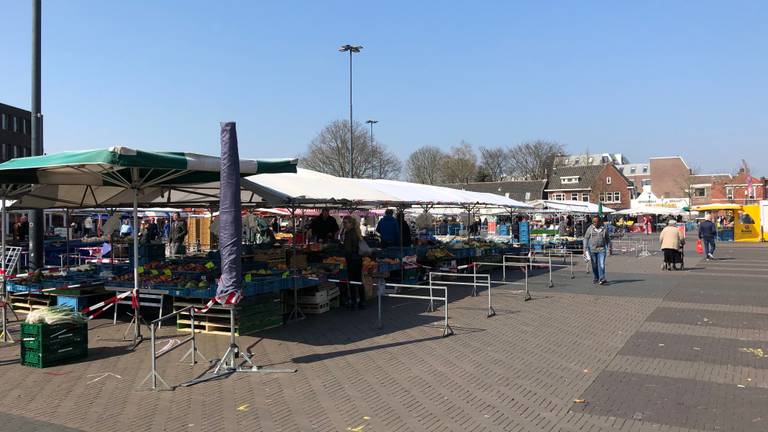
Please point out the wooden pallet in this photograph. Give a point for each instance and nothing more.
(26, 303)
(254, 317)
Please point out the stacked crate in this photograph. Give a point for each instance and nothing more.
(44, 345)
(317, 300)
(252, 314)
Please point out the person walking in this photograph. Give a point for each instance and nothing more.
(670, 239)
(707, 234)
(597, 242)
(178, 233)
(351, 239)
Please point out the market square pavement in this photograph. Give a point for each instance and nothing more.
(652, 351)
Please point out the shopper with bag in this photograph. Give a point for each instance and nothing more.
(597, 242)
(354, 247)
(707, 234)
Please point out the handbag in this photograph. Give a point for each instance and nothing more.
(699, 247)
(363, 248)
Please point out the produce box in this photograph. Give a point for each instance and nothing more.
(44, 345)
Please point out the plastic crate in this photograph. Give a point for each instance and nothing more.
(44, 345)
(39, 359)
(35, 337)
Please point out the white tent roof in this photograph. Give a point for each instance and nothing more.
(570, 206)
(308, 187)
(304, 188)
(651, 210)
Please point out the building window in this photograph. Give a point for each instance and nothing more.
(700, 192)
(608, 180)
(729, 192)
(646, 182)
(527, 196)
(611, 197)
(632, 170)
(558, 196)
(574, 196)
(15, 123)
(576, 161)
(4, 121)
(569, 179)
(585, 197)
(645, 170)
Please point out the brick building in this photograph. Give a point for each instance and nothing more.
(15, 132)
(725, 188)
(667, 176)
(594, 183)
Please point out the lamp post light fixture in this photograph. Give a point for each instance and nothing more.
(372, 122)
(351, 49)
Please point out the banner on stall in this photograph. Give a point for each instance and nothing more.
(747, 226)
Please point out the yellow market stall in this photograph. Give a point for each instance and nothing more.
(745, 221)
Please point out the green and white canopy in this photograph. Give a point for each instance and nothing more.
(118, 175)
(128, 168)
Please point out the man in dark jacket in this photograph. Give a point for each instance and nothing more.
(388, 229)
(707, 234)
(178, 234)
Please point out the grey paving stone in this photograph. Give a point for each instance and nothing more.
(676, 402)
(736, 320)
(696, 348)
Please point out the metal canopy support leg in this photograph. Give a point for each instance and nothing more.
(230, 362)
(5, 336)
(296, 313)
(136, 321)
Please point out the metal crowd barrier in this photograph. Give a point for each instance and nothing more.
(478, 280)
(382, 286)
(154, 376)
(529, 261)
(524, 266)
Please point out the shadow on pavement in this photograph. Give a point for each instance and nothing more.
(325, 356)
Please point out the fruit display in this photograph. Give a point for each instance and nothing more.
(437, 254)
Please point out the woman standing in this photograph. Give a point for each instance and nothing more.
(351, 240)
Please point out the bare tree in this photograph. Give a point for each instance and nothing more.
(425, 165)
(385, 164)
(329, 153)
(531, 160)
(461, 165)
(493, 164)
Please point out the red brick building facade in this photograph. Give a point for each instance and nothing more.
(725, 188)
(593, 183)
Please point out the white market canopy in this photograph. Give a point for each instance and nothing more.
(569, 206)
(651, 210)
(306, 188)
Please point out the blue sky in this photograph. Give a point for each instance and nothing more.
(645, 78)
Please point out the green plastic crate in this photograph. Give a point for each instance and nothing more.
(38, 359)
(43, 345)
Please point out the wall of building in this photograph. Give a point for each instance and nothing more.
(669, 177)
(15, 133)
(617, 188)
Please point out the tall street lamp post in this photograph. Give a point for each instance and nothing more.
(36, 258)
(372, 122)
(351, 49)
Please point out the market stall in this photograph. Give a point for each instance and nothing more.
(735, 222)
(97, 178)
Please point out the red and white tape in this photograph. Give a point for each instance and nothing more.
(105, 304)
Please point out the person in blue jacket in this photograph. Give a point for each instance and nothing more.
(707, 234)
(388, 229)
